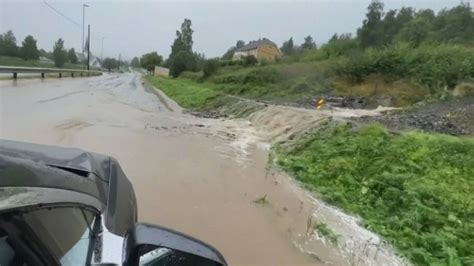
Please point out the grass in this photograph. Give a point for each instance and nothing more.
(324, 231)
(414, 189)
(186, 93)
(300, 82)
(16, 61)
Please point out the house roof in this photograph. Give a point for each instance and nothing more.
(255, 44)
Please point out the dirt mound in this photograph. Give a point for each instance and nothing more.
(453, 117)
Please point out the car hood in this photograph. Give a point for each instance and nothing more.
(71, 159)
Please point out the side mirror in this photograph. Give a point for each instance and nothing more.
(158, 246)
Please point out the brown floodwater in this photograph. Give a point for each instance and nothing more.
(199, 176)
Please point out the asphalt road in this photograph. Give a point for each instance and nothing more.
(195, 175)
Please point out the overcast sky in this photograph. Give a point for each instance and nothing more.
(135, 27)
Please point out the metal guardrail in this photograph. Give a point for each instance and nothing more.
(40, 70)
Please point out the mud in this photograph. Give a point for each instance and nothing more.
(453, 117)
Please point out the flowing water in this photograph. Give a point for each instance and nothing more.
(206, 177)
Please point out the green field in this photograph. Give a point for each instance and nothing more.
(186, 93)
(414, 189)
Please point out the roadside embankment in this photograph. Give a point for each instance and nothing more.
(411, 188)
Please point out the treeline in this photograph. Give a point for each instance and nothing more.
(182, 57)
(455, 25)
(29, 50)
(433, 49)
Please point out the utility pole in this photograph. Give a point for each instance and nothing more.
(83, 20)
(88, 44)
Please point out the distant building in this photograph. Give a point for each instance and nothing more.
(161, 71)
(263, 49)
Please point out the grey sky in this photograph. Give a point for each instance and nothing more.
(135, 27)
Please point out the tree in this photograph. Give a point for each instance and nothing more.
(182, 57)
(59, 53)
(239, 44)
(371, 32)
(8, 44)
(29, 50)
(109, 63)
(43, 53)
(181, 62)
(150, 60)
(308, 43)
(250, 60)
(415, 32)
(72, 57)
(288, 47)
(135, 62)
(230, 52)
(455, 25)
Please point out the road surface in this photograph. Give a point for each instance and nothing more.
(198, 176)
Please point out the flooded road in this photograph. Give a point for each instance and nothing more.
(200, 176)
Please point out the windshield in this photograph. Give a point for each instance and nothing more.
(62, 235)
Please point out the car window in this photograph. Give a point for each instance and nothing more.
(64, 233)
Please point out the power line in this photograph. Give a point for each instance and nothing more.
(61, 14)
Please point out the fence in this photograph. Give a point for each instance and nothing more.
(39, 70)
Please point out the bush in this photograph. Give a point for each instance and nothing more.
(224, 63)
(181, 62)
(256, 76)
(434, 66)
(194, 76)
(250, 60)
(210, 67)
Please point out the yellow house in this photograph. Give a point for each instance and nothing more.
(263, 49)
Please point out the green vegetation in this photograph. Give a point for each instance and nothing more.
(110, 63)
(29, 49)
(17, 61)
(186, 93)
(72, 57)
(135, 62)
(326, 232)
(414, 189)
(149, 61)
(59, 53)
(408, 55)
(434, 66)
(182, 57)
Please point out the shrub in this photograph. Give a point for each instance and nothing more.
(434, 66)
(250, 60)
(195, 76)
(210, 67)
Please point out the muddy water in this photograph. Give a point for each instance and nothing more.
(198, 176)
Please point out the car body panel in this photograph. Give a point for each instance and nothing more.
(33, 165)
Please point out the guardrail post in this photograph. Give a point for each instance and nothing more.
(60, 75)
(15, 75)
(42, 75)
